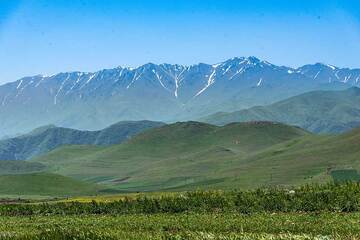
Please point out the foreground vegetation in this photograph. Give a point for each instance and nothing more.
(229, 226)
(325, 212)
(329, 198)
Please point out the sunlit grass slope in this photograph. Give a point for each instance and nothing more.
(176, 156)
(43, 184)
(308, 159)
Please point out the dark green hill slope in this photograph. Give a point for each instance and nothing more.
(47, 138)
(172, 156)
(319, 111)
(43, 185)
(19, 167)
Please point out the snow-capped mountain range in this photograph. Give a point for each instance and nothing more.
(162, 92)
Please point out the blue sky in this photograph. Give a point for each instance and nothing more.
(46, 37)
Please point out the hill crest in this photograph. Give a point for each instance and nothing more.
(317, 111)
(47, 138)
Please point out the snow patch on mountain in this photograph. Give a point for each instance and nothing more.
(209, 82)
(331, 66)
(61, 88)
(20, 83)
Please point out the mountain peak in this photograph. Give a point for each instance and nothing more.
(318, 67)
(324, 65)
(41, 129)
(165, 92)
(253, 59)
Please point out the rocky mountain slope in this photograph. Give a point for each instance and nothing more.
(162, 92)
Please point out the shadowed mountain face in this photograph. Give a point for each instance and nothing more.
(158, 92)
(47, 138)
(319, 111)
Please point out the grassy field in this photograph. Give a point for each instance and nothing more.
(310, 212)
(40, 185)
(324, 226)
(304, 160)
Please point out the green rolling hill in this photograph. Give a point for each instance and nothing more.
(47, 138)
(191, 155)
(27, 179)
(318, 111)
(19, 167)
(176, 156)
(303, 160)
(43, 185)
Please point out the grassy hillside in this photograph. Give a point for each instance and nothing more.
(47, 138)
(43, 184)
(188, 154)
(19, 167)
(319, 111)
(308, 159)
